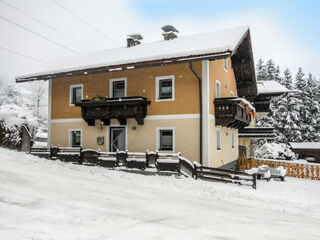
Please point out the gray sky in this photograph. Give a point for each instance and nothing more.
(59, 29)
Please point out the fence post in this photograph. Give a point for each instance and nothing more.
(195, 172)
(307, 171)
(254, 181)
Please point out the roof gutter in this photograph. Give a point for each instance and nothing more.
(201, 107)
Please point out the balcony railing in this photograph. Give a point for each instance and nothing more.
(114, 108)
(233, 112)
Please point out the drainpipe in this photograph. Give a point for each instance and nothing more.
(200, 101)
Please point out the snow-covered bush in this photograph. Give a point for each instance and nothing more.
(13, 114)
(274, 151)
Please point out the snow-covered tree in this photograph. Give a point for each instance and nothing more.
(271, 70)
(13, 114)
(287, 80)
(300, 81)
(261, 71)
(38, 98)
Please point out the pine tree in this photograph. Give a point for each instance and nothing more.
(261, 71)
(277, 76)
(287, 79)
(271, 70)
(300, 83)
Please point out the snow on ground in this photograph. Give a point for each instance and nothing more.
(42, 199)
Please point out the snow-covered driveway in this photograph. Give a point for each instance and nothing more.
(41, 199)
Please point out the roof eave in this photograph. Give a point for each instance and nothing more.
(125, 66)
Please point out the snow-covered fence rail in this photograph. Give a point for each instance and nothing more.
(229, 176)
(163, 161)
(294, 169)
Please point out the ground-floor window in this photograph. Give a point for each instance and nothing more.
(75, 137)
(232, 139)
(165, 139)
(218, 133)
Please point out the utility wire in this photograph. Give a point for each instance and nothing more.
(24, 55)
(87, 23)
(39, 35)
(43, 23)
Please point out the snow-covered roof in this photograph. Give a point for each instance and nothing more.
(41, 135)
(305, 145)
(271, 87)
(222, 41)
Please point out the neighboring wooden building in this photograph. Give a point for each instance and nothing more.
(307, 150)
(266, 91)
(182, 95)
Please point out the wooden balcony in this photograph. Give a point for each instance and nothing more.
(114, 108)
(232, 112)
(257, 133)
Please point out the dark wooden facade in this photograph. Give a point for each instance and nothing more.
(114, 108)
(229, 113)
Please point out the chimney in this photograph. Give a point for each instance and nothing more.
(169, 32)
(134, 39)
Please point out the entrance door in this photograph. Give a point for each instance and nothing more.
(117, 139)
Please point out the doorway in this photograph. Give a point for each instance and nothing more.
(117, 139)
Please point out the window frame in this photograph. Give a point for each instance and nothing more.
(117, 80)
(218, 149)
(225, 64)
(158, 129)
(71, 93)
(218, 83)
(158, 79)
(70, 136)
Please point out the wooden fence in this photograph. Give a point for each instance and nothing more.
(173, 162)
(294, 169)
(228, 176)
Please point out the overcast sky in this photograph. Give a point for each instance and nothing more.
(35, 33)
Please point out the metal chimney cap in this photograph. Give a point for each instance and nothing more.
(169, 28)
(135, 36)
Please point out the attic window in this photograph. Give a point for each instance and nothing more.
(165, 88)
(75, 94)
(226, 64)
(218, 89)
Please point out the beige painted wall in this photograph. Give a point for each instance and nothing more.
(227, 153)
(141, 139)
(228, 84)
(226, 78)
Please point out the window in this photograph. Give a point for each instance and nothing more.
(75, 137)
(165, 139)
(232, 139)
(75, 94)
(118, 88)
(226, 64)
(165, 88)
(231, 94)
(218, 139)
(218, 89)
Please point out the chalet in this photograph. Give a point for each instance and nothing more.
(182, 94)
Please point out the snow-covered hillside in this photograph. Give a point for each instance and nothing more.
(42, 199)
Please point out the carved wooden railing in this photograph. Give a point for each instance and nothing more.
(232, 112)
(114, 108)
